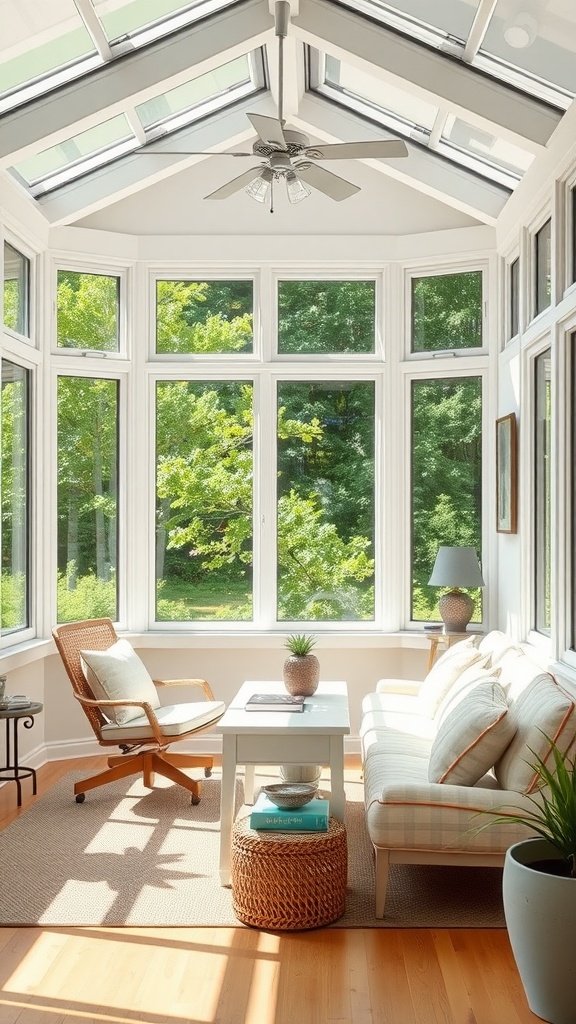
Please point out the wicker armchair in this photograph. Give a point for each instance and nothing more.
(145, 739)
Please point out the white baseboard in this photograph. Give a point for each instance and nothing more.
(66, 751)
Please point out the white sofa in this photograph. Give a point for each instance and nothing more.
(438, 753)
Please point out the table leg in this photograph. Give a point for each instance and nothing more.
(249, 774)
(227, 794)
(337, 795)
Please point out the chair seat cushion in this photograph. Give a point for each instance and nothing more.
(118, 673)
(174, 720)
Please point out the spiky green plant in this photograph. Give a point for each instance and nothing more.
(300, 643)
(554, 815)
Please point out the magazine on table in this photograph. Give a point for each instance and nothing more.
(274, 702)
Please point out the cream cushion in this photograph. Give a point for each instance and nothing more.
(461, 688)
(446, 671)
(543, 710)
(119, 673)
(472, 736)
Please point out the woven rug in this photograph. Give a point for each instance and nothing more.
(148, 858)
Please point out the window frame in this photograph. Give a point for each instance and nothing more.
(331, 357)
(197, 274)
(27, 632)
(415, 271)
(30, 256)
(536, 266)
(447, 371)
(120, 271)
(541, 485)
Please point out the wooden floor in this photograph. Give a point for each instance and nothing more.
(240, 976)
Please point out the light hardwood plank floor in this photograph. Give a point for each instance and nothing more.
(241, 976)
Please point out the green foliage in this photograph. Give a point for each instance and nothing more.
(87, 306)
(446, 479)
(554, 814)
(300, 643)
(326, 316)
(85, 597)
(13, 600)
(12, 304)
(190, 317)
(447, 311)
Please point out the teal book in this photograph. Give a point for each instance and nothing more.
(311, 817)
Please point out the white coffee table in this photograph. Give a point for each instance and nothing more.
(313, 736)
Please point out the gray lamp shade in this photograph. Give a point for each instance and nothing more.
(456, 567)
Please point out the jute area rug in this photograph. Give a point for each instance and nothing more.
(148, 858)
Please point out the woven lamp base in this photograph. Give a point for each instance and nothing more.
(456, 610)
(287, 881)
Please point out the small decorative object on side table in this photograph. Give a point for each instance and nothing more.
(12, 711)
(301, 672)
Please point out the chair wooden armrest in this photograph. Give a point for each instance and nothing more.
(187, 682)
(147, 709)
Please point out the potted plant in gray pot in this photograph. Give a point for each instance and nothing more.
(539, 892)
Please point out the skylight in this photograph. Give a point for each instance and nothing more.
(482, 152)
(45, 43)
(526, 45)
(156, 118)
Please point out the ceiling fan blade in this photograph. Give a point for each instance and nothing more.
(358, 150)
(237, 183)
(325, 181)
(269, 129)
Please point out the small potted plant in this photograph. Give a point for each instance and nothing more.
(301, 672)
(539, 891)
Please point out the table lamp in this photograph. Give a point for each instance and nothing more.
(456, 567)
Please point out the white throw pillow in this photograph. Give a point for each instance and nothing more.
(118, 672)
(542, 710)
(445, 672)
(472, 736)
(465, 682)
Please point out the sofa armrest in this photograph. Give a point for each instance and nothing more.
(410, 687)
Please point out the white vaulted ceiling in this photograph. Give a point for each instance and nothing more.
(92, 92)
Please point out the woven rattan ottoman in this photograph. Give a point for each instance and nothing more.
(288, 880)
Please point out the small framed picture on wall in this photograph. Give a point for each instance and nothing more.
(506, 474)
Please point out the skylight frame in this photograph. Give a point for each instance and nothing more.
(119, 47)
(452, 46)
(164, 129)
(481, 167)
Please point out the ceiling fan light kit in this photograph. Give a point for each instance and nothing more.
(289, 155)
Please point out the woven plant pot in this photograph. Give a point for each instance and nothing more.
(301, 674)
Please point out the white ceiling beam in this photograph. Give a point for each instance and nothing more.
(424, 72)
(133, 79)
(110, 184)
(423, 170)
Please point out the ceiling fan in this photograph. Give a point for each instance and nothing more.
(288, 154)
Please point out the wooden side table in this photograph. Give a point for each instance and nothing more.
(441, 642)
(12, 771)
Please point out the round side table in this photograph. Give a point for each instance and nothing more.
(12, 771)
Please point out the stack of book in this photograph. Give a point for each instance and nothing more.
(16, 702)
(311, 817)
(274, 702)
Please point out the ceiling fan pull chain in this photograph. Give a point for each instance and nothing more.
(272, 196)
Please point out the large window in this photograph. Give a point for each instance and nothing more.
(87, 498)
(203, 500)
(446, 480)
(88, 311)
(447, 312)
(542, 532)
(16, 290)
(15, 497)
(325, 513)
